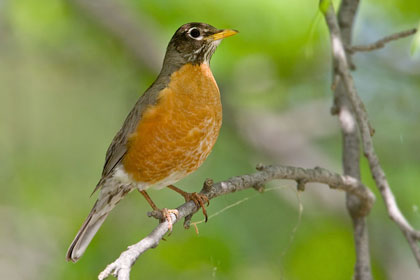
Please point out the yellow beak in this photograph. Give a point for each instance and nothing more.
(222, 34)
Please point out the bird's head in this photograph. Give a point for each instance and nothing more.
(195, 43)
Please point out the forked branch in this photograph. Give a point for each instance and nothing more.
(342, 70)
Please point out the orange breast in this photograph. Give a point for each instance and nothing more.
(176, 135)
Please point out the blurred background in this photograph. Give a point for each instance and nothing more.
(70, 71)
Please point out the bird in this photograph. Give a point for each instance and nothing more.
(167, 135)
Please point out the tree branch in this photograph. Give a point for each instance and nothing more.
(351, 145)
(381, 43)
(122, 266)
(342, 69)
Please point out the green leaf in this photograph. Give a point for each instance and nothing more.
(415, 44)
(324, 5)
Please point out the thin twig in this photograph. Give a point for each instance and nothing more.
(381, 43)
(236, 204)
(122, 266)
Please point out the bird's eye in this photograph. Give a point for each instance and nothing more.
(194, 33)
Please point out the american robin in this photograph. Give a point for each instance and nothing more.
(169, 132)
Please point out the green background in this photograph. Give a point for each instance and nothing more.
(66, 85)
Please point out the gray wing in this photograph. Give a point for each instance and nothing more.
(118, 147)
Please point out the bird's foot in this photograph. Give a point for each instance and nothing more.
(198, 198)
(166, 216)
(162, 215)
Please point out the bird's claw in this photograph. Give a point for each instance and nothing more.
(166, 213)
(199, 200)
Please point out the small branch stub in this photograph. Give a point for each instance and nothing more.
(259, 167)
(208, 184)
(259, 187)
(187, 221)
(301, 185)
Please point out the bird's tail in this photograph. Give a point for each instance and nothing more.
(105, 203)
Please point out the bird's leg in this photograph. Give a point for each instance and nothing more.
(149, 200)
(166, 213)
(197, 198)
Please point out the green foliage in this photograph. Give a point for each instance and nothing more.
(338, 260)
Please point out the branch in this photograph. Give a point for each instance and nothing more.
(342, 69)
(122, 266)
(381, 43)
(351, 145)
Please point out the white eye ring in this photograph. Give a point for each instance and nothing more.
(200, 37)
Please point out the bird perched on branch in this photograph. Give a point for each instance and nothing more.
(167, 135)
